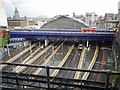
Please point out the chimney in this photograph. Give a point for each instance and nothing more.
(73, 14)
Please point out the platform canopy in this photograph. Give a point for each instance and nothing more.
(13, 44)
(17, 39)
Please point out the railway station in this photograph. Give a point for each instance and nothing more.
(61, 56)
(65, 53)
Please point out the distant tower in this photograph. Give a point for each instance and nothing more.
(3, 18)
(16, 14)
(73, 14)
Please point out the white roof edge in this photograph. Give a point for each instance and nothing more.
(70, 18)
(78, 20)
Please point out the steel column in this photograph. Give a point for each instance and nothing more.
(107, 80)
(48, 77)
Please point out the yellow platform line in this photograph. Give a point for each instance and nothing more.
(91, 63)
(48, 59)
(16, 56)
(17, 68)
(34, 58)
(63, 61)
(77, 74)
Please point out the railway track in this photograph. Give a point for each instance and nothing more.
(71, 62)
(18, 68)
(48, 56)
(19, 59)
(70, 49)
(16, 59)
(34, 58)
(102, 63)
(80, 64)
(42, 59)
(30, 57)
(72, 57)
(92, 63)
(47, 61)
(76, 63)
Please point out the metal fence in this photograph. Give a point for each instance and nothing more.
(20, 80)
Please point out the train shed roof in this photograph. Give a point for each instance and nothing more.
(65, 22)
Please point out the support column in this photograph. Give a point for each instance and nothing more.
(46, 42)
(62, 49)
(87, 44)
(53, 54)
(48, 77)
(39, 44)
(31, 50)
(8, 50)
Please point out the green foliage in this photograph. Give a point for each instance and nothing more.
(0, 42)
(115, 78)
(4, 41)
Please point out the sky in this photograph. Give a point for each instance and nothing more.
(50, 8)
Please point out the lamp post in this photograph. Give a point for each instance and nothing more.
(8, 50)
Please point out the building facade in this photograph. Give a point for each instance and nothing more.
(35, 22)
(16, 20)
(23, 22)
(110, 20)
(91, 19)
(81, 17)
(118, 34)
(17, 23)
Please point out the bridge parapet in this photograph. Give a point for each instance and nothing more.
(71, 35)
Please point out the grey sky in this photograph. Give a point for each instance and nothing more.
(51, 8)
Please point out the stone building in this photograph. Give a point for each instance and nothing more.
(16, 20)
(100, 22)
(118, 34)
(17, 23)
(110, 20)
(34, 22)
(91, 19)
(81, 17)
(109, 16)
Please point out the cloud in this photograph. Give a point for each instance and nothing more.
(53, 7)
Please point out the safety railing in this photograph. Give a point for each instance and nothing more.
(16, 78)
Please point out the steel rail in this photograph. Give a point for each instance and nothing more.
(24, 61)
(48, 59)
(77, 74)
(85, 76)
(34, 58)
(18, 55)
(63, 61)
